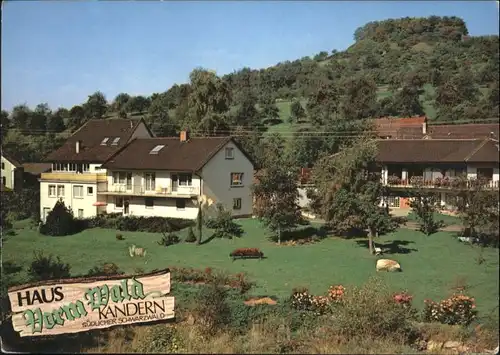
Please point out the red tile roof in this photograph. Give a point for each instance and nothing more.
(400, 128)
(91, 134)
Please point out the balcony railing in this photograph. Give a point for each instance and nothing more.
(439, 183)
(74, 177)
(158, 191)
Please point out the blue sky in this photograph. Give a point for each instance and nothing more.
(60, 52)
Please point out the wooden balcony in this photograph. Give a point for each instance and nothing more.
(178, 192)
(438, 184)
(74, 177)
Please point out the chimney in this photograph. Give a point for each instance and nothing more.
(184, 136)
(77, 146)
(424, 128)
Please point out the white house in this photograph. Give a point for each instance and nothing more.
(76, 175)
(167, 177)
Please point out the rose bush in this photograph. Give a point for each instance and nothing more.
(458, 309)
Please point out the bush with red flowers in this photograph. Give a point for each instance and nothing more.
(247, 253)
(336, 293)
(458, 309)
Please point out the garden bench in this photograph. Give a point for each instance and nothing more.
(378, 251)
(246, 257)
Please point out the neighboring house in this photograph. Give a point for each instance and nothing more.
(168, 176)
(33, 172)
(12, 172)
(76, 175)
(419, 128)
(406, 161)
(401, 128)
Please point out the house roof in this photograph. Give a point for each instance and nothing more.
(36, 168)
(90, 135)
(400, 128)
(438, 151)
(11, 158)
(175, 155)
(475, 130)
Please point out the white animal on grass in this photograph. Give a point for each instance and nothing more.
(134, 251)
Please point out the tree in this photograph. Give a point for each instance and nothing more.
(478, 209)
(297, 112)
(199, 222)
(323, 104)
(349, 191)
(270, 112)
(5, 122)
(247, 115)
(223, 223)
(96, 105)
(21, 115)
(120, 102)
(207, 104)
(276, 191)
(407, 101)
(426, 204)
(56, 120)
(137, 104)
(359, 98)
(39, 117)
(60, 221)
(76, 116)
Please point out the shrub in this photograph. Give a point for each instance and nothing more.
(119, 236)
(152, 224)
(458, 309)
(191, 238)
(223, 224)
(168, 239)
(425, 205)
(160, 339)
(60, 221)
(301, 299)
(336, 293)
(212, 307)
(370, 310)
(105, 269)
(248, 252)
(47, 268)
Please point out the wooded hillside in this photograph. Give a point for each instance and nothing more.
(399, 68)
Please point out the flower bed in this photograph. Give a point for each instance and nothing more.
(197, 276)
(458, 309)
(246, 253)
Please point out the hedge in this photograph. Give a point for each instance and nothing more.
(136, 224)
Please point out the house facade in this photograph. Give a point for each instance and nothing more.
(435, 165)
(12, 173)
(167, 177)
(76, 175)
(117, 166)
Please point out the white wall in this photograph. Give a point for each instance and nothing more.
(163, 207)
(85, 203)
(217, 185)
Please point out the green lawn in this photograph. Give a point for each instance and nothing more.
(431, 265)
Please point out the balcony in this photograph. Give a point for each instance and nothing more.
(179, 191)
(445, 183)
(74, 177)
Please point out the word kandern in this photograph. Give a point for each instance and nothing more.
(98, 299)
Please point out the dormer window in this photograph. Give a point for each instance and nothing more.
(156, 149)
(115, 141)
(105, 141)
